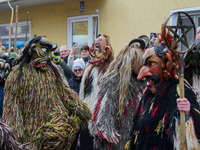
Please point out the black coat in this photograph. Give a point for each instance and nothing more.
(67, 71)
(66, 59)
(74, 83)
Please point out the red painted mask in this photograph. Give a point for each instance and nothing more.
(152, 70)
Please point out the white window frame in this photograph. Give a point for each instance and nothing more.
(24, 23)
(191, 11)
(88, 18)
(194, 12)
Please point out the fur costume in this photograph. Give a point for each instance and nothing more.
(91, 90)
(119, 94)
(101, 56)
(39, 106)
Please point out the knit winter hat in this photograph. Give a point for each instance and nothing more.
(78, 63)
(198, 30)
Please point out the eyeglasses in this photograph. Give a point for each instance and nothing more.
(77, 70)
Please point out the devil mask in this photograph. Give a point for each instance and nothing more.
(157, 67)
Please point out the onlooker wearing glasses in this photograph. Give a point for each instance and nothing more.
(74, 83)
(78, 69)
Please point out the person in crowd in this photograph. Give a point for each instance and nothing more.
(2, 50)
(156, 123)
(85, 55)
(6, 64)
(64, 54)
(101, 56)
(13, 53)
(118, 97)
(78, 69)
(39, 106)
(66, 69)
(198, 33)
(74, 83)
(192, 71)
(8, 139)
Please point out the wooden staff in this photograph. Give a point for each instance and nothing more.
(1, 45)
(10, 27)
(16, 28)
(180, 55)
(27, 27)
(182, 95)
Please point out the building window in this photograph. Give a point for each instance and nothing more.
(21, 34)
(82, 30)
(194, 12)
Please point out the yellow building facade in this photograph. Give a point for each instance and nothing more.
(122, 20)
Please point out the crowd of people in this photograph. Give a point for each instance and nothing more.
(51, 99)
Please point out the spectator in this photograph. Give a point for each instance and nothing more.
(78, 69)
(64, 53)
(67, 71)
(198, 33)
(85, 55)
(13, 53)
(3, 50)
(74, 83)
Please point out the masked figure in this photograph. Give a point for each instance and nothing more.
(39, 106)
(6, 64)
(156, 122)
(101, 55)
(192, 70)
(119, 94)
(8, 139)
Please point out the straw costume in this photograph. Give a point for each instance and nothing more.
(39, 106)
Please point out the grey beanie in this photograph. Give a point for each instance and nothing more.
(78, 63)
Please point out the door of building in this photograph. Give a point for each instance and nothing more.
(82, 30)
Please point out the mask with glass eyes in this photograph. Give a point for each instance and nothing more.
(42, 52)
(6, 65)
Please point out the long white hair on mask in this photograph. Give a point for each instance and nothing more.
(127, 61)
